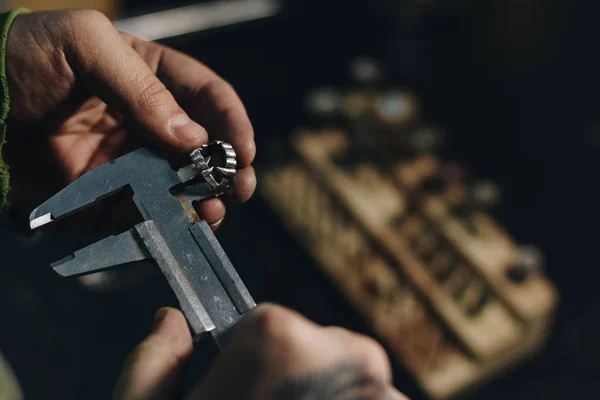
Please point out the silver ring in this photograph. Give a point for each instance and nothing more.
(216, 161)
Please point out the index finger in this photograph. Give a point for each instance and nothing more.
(205, 96)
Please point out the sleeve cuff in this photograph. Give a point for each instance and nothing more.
(6, 21)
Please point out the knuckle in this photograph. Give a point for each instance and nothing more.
(272, 338)
(368, 354)
(275, 330)
(153, 94)
(272, 322)
(217, 90)
(235, 116)
(373, 357)
(217, 86)
(82, 26)
(87, 19)
(226, 88)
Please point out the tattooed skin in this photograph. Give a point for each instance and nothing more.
(343, 382)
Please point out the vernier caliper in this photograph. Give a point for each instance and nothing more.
(210, 293)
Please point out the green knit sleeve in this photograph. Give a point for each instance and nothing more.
(6, 20)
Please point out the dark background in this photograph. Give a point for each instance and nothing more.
(521, 111)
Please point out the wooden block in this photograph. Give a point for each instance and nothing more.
(432, 290)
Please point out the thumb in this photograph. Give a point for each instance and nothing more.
(154, 370)
(109, 66)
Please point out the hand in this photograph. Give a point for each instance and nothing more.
(275, 354)
(83, 94)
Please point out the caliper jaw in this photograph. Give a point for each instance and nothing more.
(210, 292)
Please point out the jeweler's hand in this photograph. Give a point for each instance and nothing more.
(83, 94)
(275, 354)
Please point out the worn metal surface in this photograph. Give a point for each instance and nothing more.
(210, 292)
(199, 320)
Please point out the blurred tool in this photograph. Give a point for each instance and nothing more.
(365, 71)
(408, 239)
(197, 18)
(166, 23)
(210, 292)
(324, 103)
(111, 8)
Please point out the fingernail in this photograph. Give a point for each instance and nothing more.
(215, 225)
(185, 129)
(159, 317)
